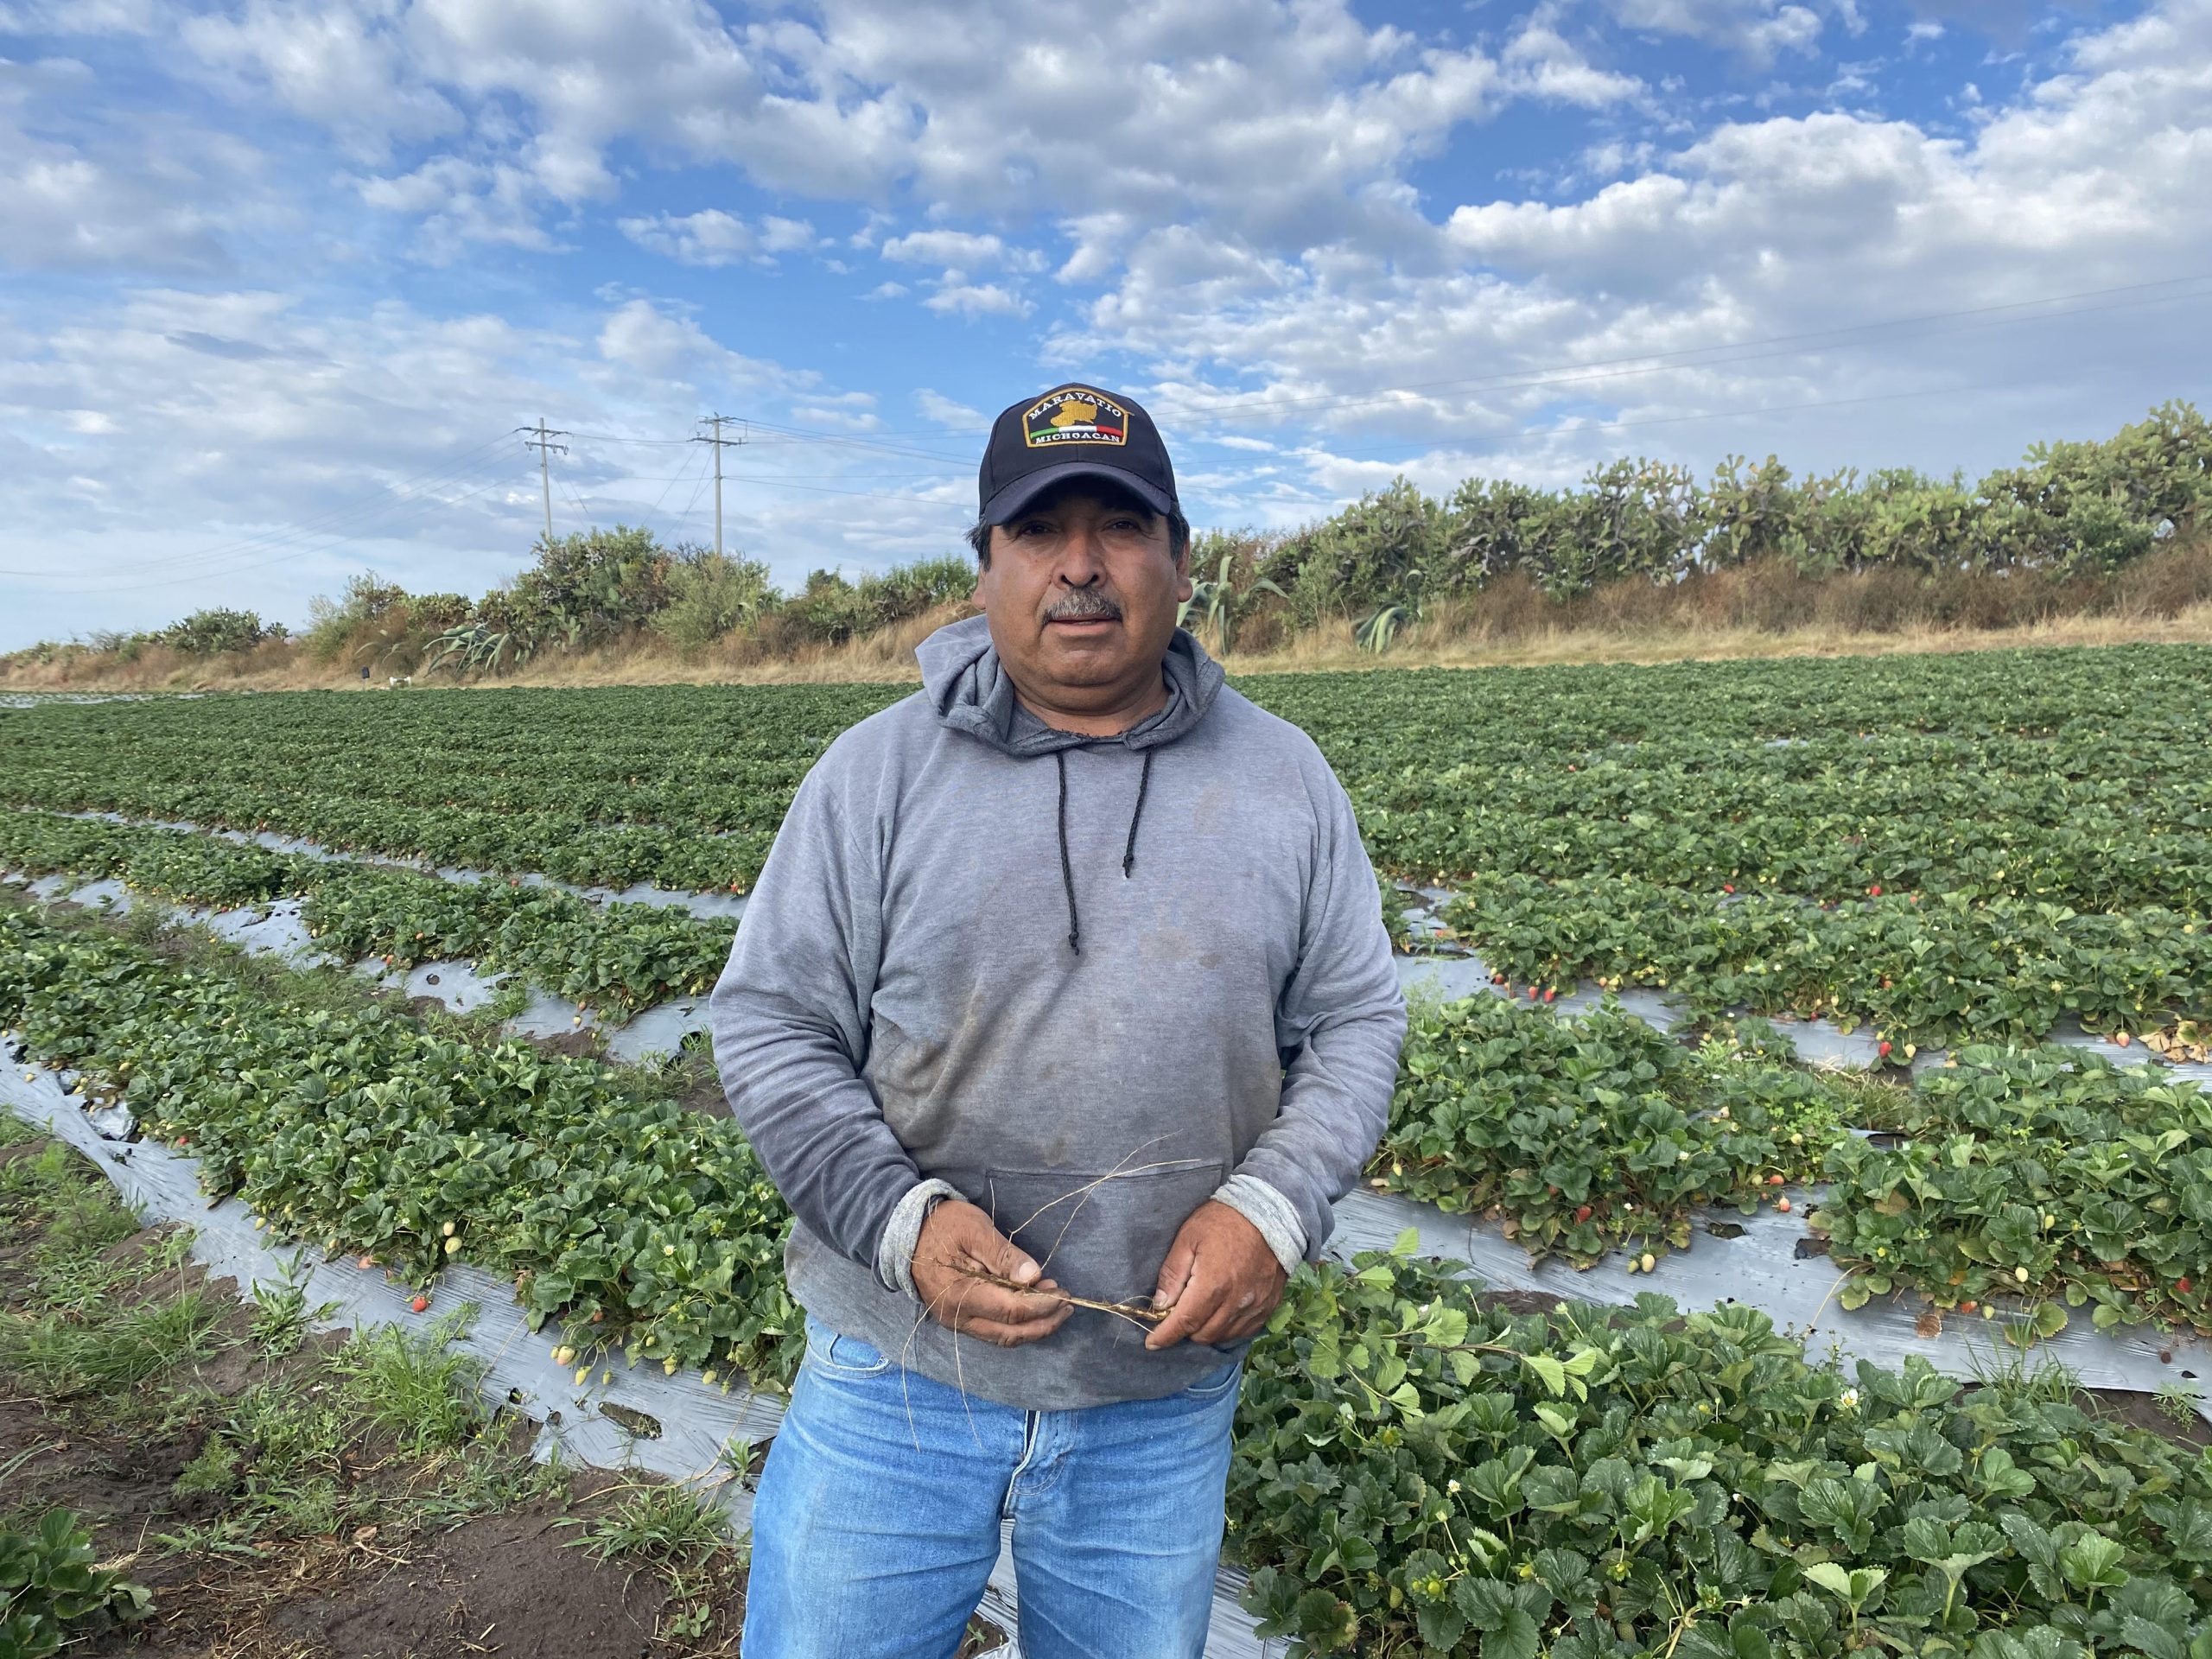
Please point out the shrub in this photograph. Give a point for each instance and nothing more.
(210, 632)
(711, 596)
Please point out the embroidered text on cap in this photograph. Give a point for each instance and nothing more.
(1074, 415)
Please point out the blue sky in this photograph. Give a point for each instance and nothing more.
(277, 281)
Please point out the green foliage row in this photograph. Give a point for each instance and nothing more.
(2034, 1179)
(2067, 509)
(616, 956)
(1598, 1133)
(1421, 1473)
(2049, 1176)
(357, 1129)
(2038, 824)
(1918, 970)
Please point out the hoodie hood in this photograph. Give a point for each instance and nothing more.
(971, 691)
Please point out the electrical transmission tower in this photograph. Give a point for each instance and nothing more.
(720, 443)
(543, 442)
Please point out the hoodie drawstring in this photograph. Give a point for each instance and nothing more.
(1144, 782)
(1067, 869)
(1129, 852)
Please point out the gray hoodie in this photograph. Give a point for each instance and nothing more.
(1087, 983)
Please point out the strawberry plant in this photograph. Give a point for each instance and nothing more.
(617, 957)
(1419, 1472)
(51, 1594)
(362, 1132)
(2044, 1177)
(1586, 1135)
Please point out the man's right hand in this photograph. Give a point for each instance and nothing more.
(959, 1253)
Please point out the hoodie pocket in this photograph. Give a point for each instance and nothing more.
(1103, 1236)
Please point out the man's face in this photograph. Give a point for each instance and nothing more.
(1081, 593)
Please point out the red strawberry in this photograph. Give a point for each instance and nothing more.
(1727, 886)
(1774, 1180)
(1532, 993)
(1549, 993)
(419, 1303)
(1582, 1215)
(1883, 1048)
(2182, 1284)
(1876, 890)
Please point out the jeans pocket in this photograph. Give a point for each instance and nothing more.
(1213, 1388)
(834, 1354)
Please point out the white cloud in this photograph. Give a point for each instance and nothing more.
(787, 235)
(943, 410)
(709, 236)
(165, 449)
(67, 17)
(956, 249)
(1772, 231)
(1760, 30)
(140, 191)
(1287, 119)
(1925, 30)
(457, 201)
(978, 300)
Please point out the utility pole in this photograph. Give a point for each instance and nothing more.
(543, 444)
(718, 421)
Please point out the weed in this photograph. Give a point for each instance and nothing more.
(416, 1389)
(282, 1318)
(667, 1524)
(69, 1356)
(214, 1471)
(2181, 1403)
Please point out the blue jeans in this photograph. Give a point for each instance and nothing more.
(877, 1521)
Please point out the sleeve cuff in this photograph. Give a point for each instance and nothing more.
(894, 1250)
(1272, 1214)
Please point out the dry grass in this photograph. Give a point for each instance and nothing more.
(1751, 611)
(1331, 650)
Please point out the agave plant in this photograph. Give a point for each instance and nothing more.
(1217, 601)
(477, 648)
(1378, 630)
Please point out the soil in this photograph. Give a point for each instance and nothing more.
(578, 1045)
(504, 1584)
(2139, 1410)
(704, 1096)
(1520, 1302)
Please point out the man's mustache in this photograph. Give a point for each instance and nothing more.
(1081, 604)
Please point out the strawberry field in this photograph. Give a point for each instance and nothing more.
(1993, 871)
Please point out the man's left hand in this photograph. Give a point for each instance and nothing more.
(1220, 1280)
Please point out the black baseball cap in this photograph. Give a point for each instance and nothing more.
(1072, 431)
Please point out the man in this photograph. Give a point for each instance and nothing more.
(1063, 998)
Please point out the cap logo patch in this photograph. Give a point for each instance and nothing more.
(1074, 415)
